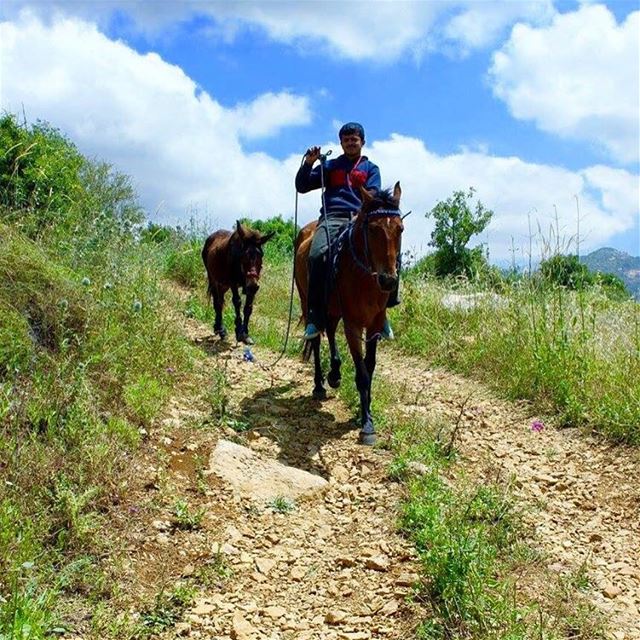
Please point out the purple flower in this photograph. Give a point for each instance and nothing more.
(537, 426)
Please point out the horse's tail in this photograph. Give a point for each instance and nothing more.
(205, 254)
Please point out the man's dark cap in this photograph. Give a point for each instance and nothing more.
(351, 128)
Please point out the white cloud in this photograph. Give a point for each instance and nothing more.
(145, 116)
(578, 78)
(481, 23)
(521, 194)
(268, 113)
(382, 31)
(184, 150)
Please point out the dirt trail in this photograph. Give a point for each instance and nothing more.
(335, 567)
(582, 495)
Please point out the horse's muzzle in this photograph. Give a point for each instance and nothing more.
(387, 282)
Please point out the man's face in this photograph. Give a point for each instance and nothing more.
(351, 144)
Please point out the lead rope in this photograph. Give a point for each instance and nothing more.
(293, 277)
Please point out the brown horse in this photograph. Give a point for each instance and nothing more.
(234, 260)
(365, 275)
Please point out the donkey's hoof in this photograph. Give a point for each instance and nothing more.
(334, 383)
(319, 394)
(367, 438)
(246, 339)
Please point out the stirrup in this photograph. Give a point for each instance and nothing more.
(387, 331)
(311, 332)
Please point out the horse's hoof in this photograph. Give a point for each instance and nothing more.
(247, 340)
(319, 394)
(334, 383)
(220, 332)
(367, 438)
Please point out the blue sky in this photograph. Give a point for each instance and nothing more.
(209, 106)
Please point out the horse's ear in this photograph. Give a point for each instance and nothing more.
(397, 191)
(240, 229)
(266, 237)
(367, 196)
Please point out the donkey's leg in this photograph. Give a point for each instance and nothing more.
(237, 306)
(363, 383)
(217, 293)
(333, 378)
(248, 308)
(319, 392)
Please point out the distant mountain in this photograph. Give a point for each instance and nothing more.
(619, 263)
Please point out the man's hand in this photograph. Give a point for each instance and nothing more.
(312, 155)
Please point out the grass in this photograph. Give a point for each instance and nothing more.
(281, 504)
(87, 359)
(574, 355)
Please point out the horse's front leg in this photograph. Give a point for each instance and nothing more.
(217, 293)
(363, 383)
(333, 378)
(319, 392)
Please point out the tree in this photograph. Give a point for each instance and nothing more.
(456, 223)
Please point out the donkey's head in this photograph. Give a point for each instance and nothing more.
(249, 249)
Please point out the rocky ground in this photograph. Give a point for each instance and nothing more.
(326, 561)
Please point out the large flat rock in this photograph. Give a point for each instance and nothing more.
(257, 478)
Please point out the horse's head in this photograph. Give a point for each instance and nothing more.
(249, 250)
(382, 225)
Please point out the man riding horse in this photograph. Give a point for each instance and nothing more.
(342, 179)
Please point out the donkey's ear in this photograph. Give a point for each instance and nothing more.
(397, 191)
(266, 237)
(240, 229)
(367, 196)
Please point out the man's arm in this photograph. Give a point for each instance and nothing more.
(308, 179)
(373, 179)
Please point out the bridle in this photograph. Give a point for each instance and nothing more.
(377, 213)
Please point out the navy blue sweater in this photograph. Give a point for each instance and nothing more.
(343, 179)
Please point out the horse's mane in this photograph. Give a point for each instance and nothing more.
(382, 200)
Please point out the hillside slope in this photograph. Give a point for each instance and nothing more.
(618, 263)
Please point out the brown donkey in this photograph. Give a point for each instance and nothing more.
(365, 274)
(234, 261)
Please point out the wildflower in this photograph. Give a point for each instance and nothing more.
(107, 285)
(537, 426)
(85, 282)
(137, 306)
(247, 356)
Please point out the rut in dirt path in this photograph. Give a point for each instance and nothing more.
(334, 567)
(582, 494)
